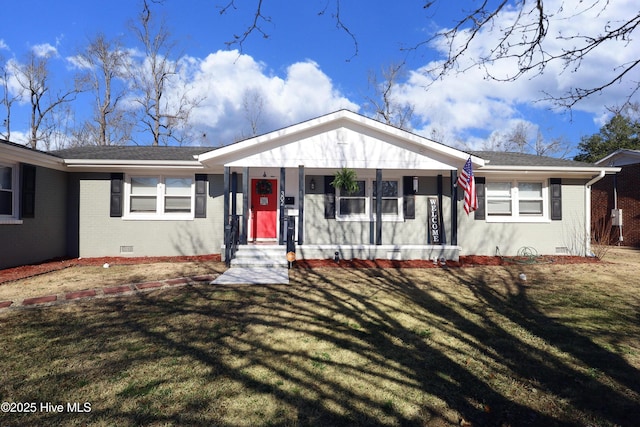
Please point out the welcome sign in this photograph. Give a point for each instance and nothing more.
(433, 220)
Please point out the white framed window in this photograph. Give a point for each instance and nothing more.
(8, 192)
(354, 205)
(360, 205)
(517, 201)
(159, 197)
(391, 200)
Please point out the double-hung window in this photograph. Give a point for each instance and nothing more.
(144, 194)
(160, 197)
(499, 199)
(8, 191)
(178, 195)
(353, 205)
(524, 201)
(530, 200)
(390, 197)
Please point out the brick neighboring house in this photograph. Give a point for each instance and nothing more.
(620, 191)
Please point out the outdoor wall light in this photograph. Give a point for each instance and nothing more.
(415, 184)
(264, 174)
(312, 184)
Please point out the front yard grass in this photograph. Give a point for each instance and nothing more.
(443, 347)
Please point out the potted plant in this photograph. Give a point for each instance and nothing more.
(346, 180)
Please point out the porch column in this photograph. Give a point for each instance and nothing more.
(282, 235)
(244, 233)
(378, 206)
(225, 199)
(301, 191)
(454, 208)
(234, 193)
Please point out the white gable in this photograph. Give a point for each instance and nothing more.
(341, 139)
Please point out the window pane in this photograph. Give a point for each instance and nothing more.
(390, 206)
(143, 204)
(6, 203)
(178, 186)
(352, 206)
(144, 185)
(177, 204)
(5, 178)
(499, 207)
(358, 193)
(530, 190)
(498, 189)
(531, 207)
(389, 189)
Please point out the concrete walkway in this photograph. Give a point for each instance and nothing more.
(253, 276)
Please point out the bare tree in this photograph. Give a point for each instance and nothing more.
(105, 65)
(495, 142)
(253, 106)
(384, 104)
(34, 79)
(524, 138)
(7, 101)
(259, 19)
(164, 118)
(523, 41)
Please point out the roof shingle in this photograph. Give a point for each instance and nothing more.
(502, 158)
(141, 153)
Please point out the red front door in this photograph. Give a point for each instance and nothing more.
(264, 207)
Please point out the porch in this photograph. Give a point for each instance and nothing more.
(298, 209)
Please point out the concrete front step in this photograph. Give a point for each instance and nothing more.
(260, 256)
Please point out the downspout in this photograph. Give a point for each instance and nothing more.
(587, 209)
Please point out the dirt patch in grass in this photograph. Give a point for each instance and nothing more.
(57, 277)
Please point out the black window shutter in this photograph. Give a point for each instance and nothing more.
(201, 196)
(329, 198)
(480, 213)
(555, 187)
(28, 190)
(409, 198)
(116, 195)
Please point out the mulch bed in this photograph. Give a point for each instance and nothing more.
(25, 271)
(465, 261)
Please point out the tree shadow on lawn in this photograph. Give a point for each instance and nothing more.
(592, 379)
(335, 347)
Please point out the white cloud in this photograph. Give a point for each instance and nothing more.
(3, 45)
(462, 103)
(226, 77)
(44, 50)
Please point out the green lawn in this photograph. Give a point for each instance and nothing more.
(443, 347)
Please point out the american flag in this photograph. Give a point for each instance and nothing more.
(468, 184)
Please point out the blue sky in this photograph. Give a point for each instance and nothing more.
(306, 67)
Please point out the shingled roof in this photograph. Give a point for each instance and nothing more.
(164, 153)
(502, 158)
(141, 153)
